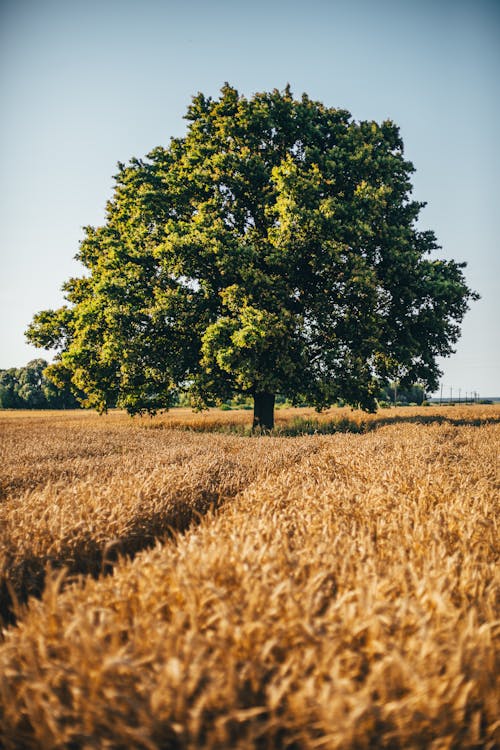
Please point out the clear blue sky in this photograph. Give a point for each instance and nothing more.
(87, 83)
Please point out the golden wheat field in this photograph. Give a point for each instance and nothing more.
(175, 583)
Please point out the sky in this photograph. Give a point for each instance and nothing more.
(85, 84)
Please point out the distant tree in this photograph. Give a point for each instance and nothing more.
(29, 388)
(413, 394)
(9, 398)
(273, 249)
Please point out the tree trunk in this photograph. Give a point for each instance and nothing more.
(263, 411)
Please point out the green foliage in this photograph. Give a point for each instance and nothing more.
(29, 388)
(410, 395)
(383, 404)
(273, 249)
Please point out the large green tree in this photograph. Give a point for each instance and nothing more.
(272, 249)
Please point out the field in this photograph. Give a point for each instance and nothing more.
(176, 583)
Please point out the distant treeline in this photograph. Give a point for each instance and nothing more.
(28, 388)
(391, 393)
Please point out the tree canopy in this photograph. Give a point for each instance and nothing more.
(273, 249)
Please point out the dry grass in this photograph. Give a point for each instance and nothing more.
(343, 595)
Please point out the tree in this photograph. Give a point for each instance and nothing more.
(30, 382)
(28, 388)
(272, 249)
(9, 398)
(414, 394)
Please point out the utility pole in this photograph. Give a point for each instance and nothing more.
(441, 396)
(451, 394)
(459, 394)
